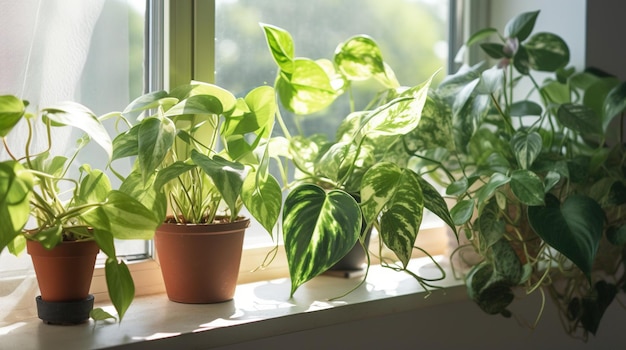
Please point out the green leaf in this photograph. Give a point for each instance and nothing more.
(614, 105)
(521, 25)
(307, 89)
(105, 241)
(11, 111)
(122, 216)
(120, 285)
(595, 95)
(98, 314)
(281, 46)
(480, 35)
(547, 52)
(401, 220)
(434, 202)
(171, 172)
(16, 185)
(527, 147)
(457, 187)
(489, 292)
(495, 51)
(126, 144)
(156, 138)
(397, 194)
(227, 176)
(579, 118)
(490, 225)
(490, 81)
(595, 304)
(262, 196)
(462, 211)
(148, 101)
(527, 187)
(197, 104)
(573, 228)
(557, 93)
(359, 58)
(399, 116)
(260, 104)
(485, 192)
(319, 228)
(78, 116)
(525, 108)
(94, 186)
(151, 196)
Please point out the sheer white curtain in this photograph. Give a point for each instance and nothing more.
(43, 49)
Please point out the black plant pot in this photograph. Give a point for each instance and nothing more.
(355, 259)
(64, 313)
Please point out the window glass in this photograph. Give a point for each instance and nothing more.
(412, 35)
(99, 63)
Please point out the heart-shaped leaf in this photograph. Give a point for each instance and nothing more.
(155, 138)
(11, 111)
(320, 228)
(120, 285)
(547, 52)
(521, 25)
(307, 89)
(281, 46)
(574, 228)
(78, 116)
(527, 147)
(359, 58)
(527, 187)
(16, 186)
(263, 198)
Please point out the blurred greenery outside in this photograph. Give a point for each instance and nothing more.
(411, 34)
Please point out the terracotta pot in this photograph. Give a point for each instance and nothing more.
(200, 263)
(64, 273)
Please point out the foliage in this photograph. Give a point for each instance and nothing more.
(177, 161)
(40, 187)
(321, 219)
(538, 172)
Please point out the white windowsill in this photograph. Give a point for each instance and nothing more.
(259, 310)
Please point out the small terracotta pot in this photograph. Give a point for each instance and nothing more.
(200, 263)
(64, 273)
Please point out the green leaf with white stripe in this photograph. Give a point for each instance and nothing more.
(397, 193)
(320, 228)
(574, 228)
(400, 116)
(155, 138)
(527, 147)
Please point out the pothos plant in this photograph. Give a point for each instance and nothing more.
(42, 200)
(201, 153)
(322, 221)
(538, 173)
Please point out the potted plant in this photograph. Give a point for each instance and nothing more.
(537, 169)
(201, 154)
(344, 187)
(52, 212)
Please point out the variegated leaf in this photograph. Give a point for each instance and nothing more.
(400, 116)
(397, 194)
(320, 228)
